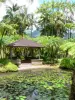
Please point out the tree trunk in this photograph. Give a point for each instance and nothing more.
(72, 95)
(70, 33)
(58, 32)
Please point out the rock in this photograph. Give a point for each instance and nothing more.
(35, 95)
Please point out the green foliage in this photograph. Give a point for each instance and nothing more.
(21, 98)
(9, 39)
(54, 47)
(2, 1)
(70, 25)
(49, 52)
(51, 84)
(7, 66)
(72, 51)
(4, 61)
(68, 47)
(11, 67)
(17, 18)
(51, 48)
(53, 17)
(67, 63)
(2, 69)
(6, 29)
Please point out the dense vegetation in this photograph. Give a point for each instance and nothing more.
(55, 48)
(55, 21)
(49, 84)
(67, 63)
(7, 66)
(55, 18)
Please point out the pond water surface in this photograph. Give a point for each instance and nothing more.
(41, 84)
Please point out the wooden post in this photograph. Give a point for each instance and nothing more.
(39, 53)
(32, 53)
(10, 53)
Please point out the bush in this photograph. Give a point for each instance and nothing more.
(51, 49)
(7, 66)
(67, 63)
(11, 67)
(4, 61)
(2, 69)
(50, 53)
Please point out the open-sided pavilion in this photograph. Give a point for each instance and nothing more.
(24, 43)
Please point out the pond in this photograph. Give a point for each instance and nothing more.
(41, 84)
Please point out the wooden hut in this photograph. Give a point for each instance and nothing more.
(24, 43)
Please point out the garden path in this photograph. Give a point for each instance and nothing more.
(27, 66)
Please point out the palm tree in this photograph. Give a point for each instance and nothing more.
(2, 0)
(21, 19)
(10, 13)
(17, 15)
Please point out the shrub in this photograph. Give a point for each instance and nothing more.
(67, 63)
(51, 49)
(7, 66)
(11, 67)
(4, 61)
(2, 69)
(68, 48)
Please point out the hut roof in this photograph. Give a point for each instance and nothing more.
(25, 43)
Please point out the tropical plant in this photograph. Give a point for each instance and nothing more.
(10, 13)
(7, 29)
(68, 48)
(7, 66)
(2, 0)
(69, 27)
(52, 84)
(67, 63)
(53, 17)
(51, 49)
(17, 16)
